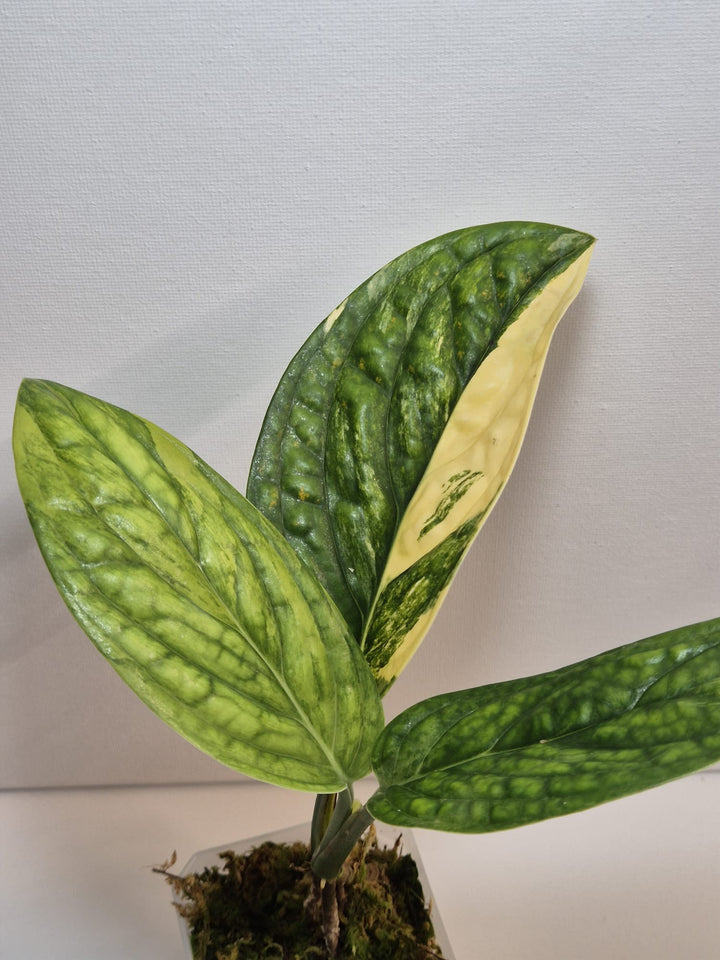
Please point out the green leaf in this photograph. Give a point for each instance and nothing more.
(397, 424)
(514, 753)
(195, 599)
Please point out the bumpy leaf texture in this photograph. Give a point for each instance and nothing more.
(397, 424)
(514, 753)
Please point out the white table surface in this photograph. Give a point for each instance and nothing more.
(636, 879)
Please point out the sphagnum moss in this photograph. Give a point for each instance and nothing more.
(267, 904)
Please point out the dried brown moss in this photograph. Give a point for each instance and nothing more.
(266, 905)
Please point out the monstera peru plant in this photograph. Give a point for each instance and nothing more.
(266, 628)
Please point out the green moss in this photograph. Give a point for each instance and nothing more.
(266, 905)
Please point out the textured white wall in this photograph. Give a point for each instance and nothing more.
(187, 188)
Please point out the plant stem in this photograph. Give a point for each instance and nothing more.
(322, 812)
(330, 916)
(347, 825)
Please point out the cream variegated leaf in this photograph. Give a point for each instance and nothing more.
(398, 423)
(466, 474)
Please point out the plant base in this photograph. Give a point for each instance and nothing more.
(265, 903)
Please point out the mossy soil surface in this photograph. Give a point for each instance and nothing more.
(266, 905)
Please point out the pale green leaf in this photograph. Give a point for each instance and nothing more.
(514, 753)
(397, 424)
(192, 595)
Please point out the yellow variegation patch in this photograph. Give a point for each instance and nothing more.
(478, 448)
(397, 423)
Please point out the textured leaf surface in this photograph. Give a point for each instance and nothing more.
(192, 595)
(514, 753)
(398, 422)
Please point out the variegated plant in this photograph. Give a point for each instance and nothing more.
(266, 628)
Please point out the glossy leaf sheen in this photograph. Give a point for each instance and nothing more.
(514, 753)
(359, 412)
(196, 600)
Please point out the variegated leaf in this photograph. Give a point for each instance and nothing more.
(397, 424)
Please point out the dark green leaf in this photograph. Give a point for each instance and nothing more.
(513, 753)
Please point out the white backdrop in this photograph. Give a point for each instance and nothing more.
(188, 188)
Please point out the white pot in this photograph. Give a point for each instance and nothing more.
(386, 837)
